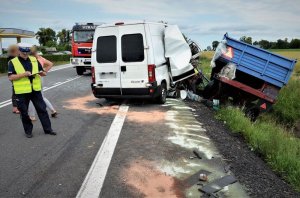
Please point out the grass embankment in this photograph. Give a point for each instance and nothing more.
(280, 149)
(271, 135)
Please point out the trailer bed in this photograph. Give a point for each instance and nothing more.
(260, 63)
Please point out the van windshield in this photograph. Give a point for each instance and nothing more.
(107, 49)
(132, 48)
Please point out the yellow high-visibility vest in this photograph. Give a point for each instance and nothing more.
(23, 85)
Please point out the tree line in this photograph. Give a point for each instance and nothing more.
(47, 37)
(265, 44)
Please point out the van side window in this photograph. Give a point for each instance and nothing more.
(106, 49)
(132, 48)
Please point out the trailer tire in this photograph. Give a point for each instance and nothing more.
(80, 70)
(162, 98)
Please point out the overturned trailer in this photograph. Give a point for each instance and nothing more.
(249, 75)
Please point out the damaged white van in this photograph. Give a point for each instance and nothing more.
(132, 61)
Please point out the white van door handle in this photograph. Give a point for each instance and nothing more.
(123, 68)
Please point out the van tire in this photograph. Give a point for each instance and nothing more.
(80, 70)
(162, 98)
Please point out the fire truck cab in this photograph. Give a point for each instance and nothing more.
(82, 41)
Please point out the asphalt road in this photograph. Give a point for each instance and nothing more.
(109, 149)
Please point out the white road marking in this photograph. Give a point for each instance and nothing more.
(8, 102)
(93, 182)
(4, 102)
(56, 69)
(58, 82)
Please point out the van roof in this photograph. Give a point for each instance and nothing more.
(131, 23)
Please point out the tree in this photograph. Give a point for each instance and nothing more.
(246, 39)
(45, 35)
(294, 44)
(282, 44)
(265, 44)
(215, 45)
(63, 36)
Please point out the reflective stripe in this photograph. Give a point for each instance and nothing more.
(23, 85)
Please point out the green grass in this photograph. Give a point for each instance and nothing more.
(57, 63)
(205, 59)
(280, 149)
(287, 107)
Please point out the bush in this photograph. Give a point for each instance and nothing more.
(3, 64)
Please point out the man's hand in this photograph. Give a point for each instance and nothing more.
(44, 73)
(27, 74)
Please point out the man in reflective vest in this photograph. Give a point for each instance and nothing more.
(25, 73)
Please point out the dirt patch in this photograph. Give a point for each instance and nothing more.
(89, 104)
(146, 117)
(143, 176)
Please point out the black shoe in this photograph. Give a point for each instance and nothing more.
(50, 133)
(28, 135)
(54, 115)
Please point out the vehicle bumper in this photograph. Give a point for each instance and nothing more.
(149, 92)
(85, 62)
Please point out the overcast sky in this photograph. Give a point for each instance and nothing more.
(201, 20)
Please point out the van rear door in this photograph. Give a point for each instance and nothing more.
(108, 65)
(133, 57)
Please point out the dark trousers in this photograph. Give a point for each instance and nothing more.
(40, 106)
(14, 98)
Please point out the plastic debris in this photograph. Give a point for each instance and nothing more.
(221, 49)
(203, 177)
(195, 97)
(228, 71)
(218, 184)
(197, 154)
(216, 104)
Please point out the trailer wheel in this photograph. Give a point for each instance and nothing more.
(252, 113)
(162, 98)
(80, 70)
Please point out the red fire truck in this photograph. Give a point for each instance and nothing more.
(82, 40)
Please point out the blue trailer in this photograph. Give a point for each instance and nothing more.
(260, 74)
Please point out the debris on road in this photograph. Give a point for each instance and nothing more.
(203, 177)
(197, 154)
(218, 184)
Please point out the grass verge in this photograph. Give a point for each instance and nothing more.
(280, 149)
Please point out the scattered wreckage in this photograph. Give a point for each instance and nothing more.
(245, 75)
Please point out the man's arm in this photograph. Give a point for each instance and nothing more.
(12, 75)
(42, 72)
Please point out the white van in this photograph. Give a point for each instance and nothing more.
(128, 61)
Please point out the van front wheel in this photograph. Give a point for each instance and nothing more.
(163, 94)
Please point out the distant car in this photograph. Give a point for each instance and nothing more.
(57, 53)
(66, 52)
